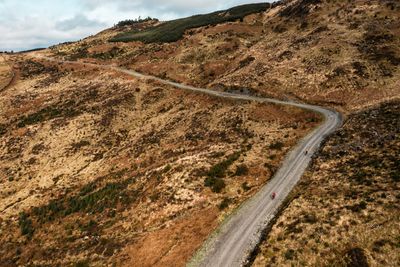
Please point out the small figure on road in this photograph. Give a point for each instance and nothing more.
(306, 152)
(273, 195)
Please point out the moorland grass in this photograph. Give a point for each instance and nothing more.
(172, 31)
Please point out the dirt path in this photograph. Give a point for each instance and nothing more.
(11, 80)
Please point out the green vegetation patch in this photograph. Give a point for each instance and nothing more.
(83, 263)
(130, 22)
(107, 197)
(25, 224)
(3, 129)
(278, 145)
(245, 186)
(216, 184)
(172, 31)
(48, 113)
(224, 203)
(241, 170)
(218, 171)
(93, 198)
(111, 54)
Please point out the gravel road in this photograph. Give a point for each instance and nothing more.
(234, 240)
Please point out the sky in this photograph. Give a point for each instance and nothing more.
(28, 24)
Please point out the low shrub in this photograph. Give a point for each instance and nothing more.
(289, 254)
(218, 170)
(167, 168)
(310, 218)
(395, 175)
(224, 203)
(46, 114)
(80, 144)
(90, 227)
(360, 176)
(25, 224)
(247, 61)
(278, 145)
(216, 184)
(245, 186)
(356, 257)
(358, 207)
(3, 129)
(241, 170)
(83, 263)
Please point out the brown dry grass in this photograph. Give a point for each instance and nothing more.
(342, 54)
(99, 123)
(347, 201)
(67, 127)
(6, 73)
(173, 245)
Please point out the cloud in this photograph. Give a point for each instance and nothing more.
(78, 21)
(32, 32)
(164, 9)
(31, 24)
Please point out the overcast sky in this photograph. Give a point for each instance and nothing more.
(27, 24)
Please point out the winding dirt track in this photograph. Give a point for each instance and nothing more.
(234, 240)
(11, 80)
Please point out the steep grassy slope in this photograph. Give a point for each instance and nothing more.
(346, 210)
(172, 31)
(102, 168)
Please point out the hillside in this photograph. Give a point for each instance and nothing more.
(98, 168)
(342, 54)
(6, 73)
(172, 31)
(346, 210)
(96, 165)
